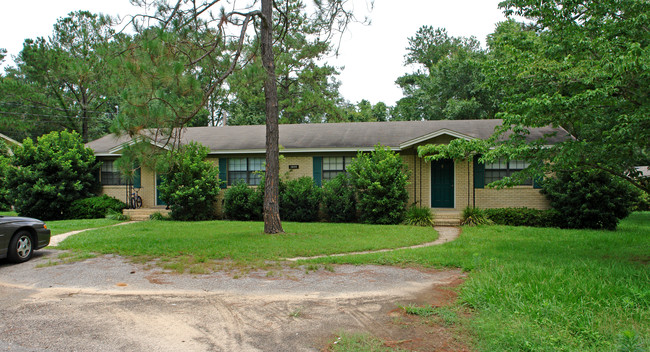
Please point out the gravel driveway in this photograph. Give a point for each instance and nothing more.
(110, 304)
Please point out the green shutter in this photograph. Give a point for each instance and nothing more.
(479, 173)
(537, 182)
(318, 170)
(137, 178)
(223, 172)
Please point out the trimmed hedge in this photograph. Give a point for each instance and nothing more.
(524, 217)
(95, 207)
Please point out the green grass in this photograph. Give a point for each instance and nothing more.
(347, 342)
(62, 226)
(535, 289)
(243, 242)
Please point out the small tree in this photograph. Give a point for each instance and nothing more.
(300, 200)
(45, 178)
(589, 199)
(4, 167)
(339, 200)
(191, 185)
(380, 179)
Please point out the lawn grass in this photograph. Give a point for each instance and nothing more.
(536, 289)
(62, 226)
(243, 242)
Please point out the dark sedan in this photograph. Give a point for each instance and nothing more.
(20, 237)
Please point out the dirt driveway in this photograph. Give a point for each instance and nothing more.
(110, 304)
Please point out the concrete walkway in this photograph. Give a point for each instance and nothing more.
(447, 234)
(56, 239)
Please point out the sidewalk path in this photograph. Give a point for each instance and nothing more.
(447, 234)
(56, 239)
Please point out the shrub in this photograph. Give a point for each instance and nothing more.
(46, 177)
(380, 180)
(474, 217)
(300, 200)
(95, 207)
(589, 199)
(239, 203)
(642, 202)
(524, 217)
(339, 200)
(191, 184)
(419, 216)
(5, 204)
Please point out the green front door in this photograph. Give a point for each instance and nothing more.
(159, 180)
(442, 183)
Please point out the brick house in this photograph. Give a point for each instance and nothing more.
(322, 151)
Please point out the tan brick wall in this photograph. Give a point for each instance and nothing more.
(419, 187)
(117, 192)
(517, 197)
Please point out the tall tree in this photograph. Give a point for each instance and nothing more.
(581, 66)
(60, 82)
(449, 83)
(211, 40)
(307, 88)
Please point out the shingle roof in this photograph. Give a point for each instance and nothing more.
(332, 136)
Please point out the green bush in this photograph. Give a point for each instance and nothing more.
(339, 200)
(95, 207)
(300, 200)
(589, 199)
(191, 184)
(474, 217)
(46, 177)
(240, 203)
(642, 202)
(380, 179)
(524, 217)
(419, 216)
(5, 160)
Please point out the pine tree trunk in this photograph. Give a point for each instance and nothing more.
(272, 222)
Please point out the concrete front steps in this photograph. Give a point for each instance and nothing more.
(143, 214)
(447, 217)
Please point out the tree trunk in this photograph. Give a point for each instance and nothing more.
(272, 222)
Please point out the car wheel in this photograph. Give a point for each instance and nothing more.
(21, 247)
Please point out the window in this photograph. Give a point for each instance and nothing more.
(501, 168)
(332, 166)
(111, 175)
(246, 169)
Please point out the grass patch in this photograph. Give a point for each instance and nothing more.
(241, 242)
(8, 213)
(346, 342)
(62, 226)
(541, 289)
(440, 315)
